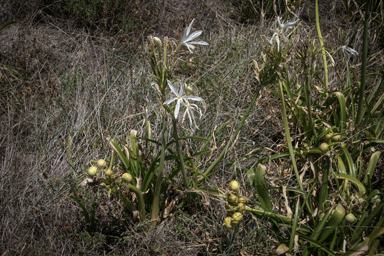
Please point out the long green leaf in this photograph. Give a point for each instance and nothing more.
(361, 187)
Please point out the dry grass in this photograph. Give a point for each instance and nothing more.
(62, 82)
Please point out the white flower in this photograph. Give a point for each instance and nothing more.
(348, 52)
(189, 37)
(180, 98)
(189, 109)
(278, 30)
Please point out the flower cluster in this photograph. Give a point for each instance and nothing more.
(279, 29)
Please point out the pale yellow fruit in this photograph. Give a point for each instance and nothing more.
(127, 177)
(241, 207)
(324, 147)
(108, 172)
(234, 185)
(242, 199)
(92, 171)
(228, 223)
(336, 138)
(232, 199)
(328, 136)
(350, 218)
(101, 163)
(237, 216)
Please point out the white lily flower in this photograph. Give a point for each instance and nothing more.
(189, 37)
(278, 30)
(348, 52)
(189, 109)
(180, 97)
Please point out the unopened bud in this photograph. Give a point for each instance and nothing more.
(157, 42)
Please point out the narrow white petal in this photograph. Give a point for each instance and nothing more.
(181, 90)
(173, 89)
(189, 46)
(193, 35)
(177, 109)
(195, 98)
(200, 43)
(170, 101)
(190, 27)
(278, 42)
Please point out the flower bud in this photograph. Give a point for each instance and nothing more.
(108, 172)
(324, 147)
(101, 163)
(157, 42)
(188, 88)
(234, 185)
(126, 176)
(92, 171)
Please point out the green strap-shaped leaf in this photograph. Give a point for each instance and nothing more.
(343, 113)
(371, 168)
(361, 187)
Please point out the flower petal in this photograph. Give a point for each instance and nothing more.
(200, 43)
(177, 109)
(167, 102)
(173, 89)
(193, 36)
(195, 98)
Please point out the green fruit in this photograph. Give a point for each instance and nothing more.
(127, 177)
(243, 200)
(234, 185)
(350, 218)
(241, 207)
(342, 145)
(108, 172)
(328, 136)
(228, 223)
(232, 198)
(237, 216)
(336, 138)
(101, 163)
(92, 171)
(324, 147)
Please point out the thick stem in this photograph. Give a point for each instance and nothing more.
(321, 45)
(364, 63)
(232, 139)
(156, 197)
(140, 200)
(181, 160)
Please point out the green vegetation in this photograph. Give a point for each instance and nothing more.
(252, 138)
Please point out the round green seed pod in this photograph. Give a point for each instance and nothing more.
(241, 207)
(243, 200)
(108, 172)
(342, 145)
(324, 147)
(237, 216)
(350, 218)
(336, 138)
(328, 136)
(126, 176)
(228, 223)
(101, 163)
(234, 185)
(232, 199)
(92, 171)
